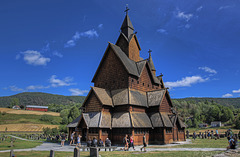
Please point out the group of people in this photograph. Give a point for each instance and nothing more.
(232, 139)
(128, 142)
(73, 139)
(205, 135)
(98, 143)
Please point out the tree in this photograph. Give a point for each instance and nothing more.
(237, 122)
(74, 113)
(64, 113)
(14, 102)
(65, 120)
(227, 114)
(70, 119)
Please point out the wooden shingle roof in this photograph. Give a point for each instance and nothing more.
(166, 121)
(156, 119)
(155, 97)
(121, 120)
(74, 123)
(103, 95)
(140, 120)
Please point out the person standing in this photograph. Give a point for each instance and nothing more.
(217, 133)
(72, 138)
(194, 135)
(131, 142)
(208, 134)
(125, 142)
(79, 141)
(107, 143)
(187, 132)
(144, 143)
(63, 138)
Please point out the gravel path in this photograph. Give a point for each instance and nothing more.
(57, 147)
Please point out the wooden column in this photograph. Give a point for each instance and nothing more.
(100, 134)
(164, 134)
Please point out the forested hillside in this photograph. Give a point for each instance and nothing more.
(37, 98)
(235, 102)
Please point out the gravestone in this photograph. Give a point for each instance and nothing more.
(94, 152)
(52, 153)
(12, 153)
(76, 152)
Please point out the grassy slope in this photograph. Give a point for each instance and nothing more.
(116, 154)
(18, 144)
(13, 111)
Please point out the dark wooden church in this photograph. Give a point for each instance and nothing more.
(128, 98)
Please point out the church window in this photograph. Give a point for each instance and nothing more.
(143, 84)
(168, 130)
(137, 82)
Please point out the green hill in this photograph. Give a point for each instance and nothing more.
(235, 102)
(42, 99)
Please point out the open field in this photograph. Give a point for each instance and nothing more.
(18, 144)
(221, 130)
(116, 154)
(25, 127)
(13, 111)
(200, 143)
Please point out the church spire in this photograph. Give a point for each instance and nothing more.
(127, 27)
(150, 61)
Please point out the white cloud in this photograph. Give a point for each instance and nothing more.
(67, 81)
(88, 34)
(207, 69)
(100, 26)
(15, 89)
(56, 53)
(184, 16)
(35, 58)
(163, 31)
(199, 8)
(76, 91)
(227, 95)
(186, 82)
(236, 91)
(225, 7)
(34, 87)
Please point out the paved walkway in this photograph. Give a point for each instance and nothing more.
(46, 146)
(24, 139)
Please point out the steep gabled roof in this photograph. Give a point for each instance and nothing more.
(150, 61)
(103, 95)
(74, 123)
(155, 97)
(127, 27)
(166, 121)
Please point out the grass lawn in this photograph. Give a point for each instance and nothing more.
(18, 144)
(23, 119)
(116, 154)
(221, 130)
(201, 143)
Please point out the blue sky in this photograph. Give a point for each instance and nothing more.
(55, 46)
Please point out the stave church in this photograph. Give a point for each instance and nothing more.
(128, 97)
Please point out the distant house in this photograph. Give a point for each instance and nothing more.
(16, 107)
(216, 124)
(203, 125)
(37, 108)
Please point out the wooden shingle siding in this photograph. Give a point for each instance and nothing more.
(144, 83)
(112, 74)
(133, 50)
(123, 44)
(93, 104)
(165, 105)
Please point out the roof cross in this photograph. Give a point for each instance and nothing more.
(149, 51)
(126, 9)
